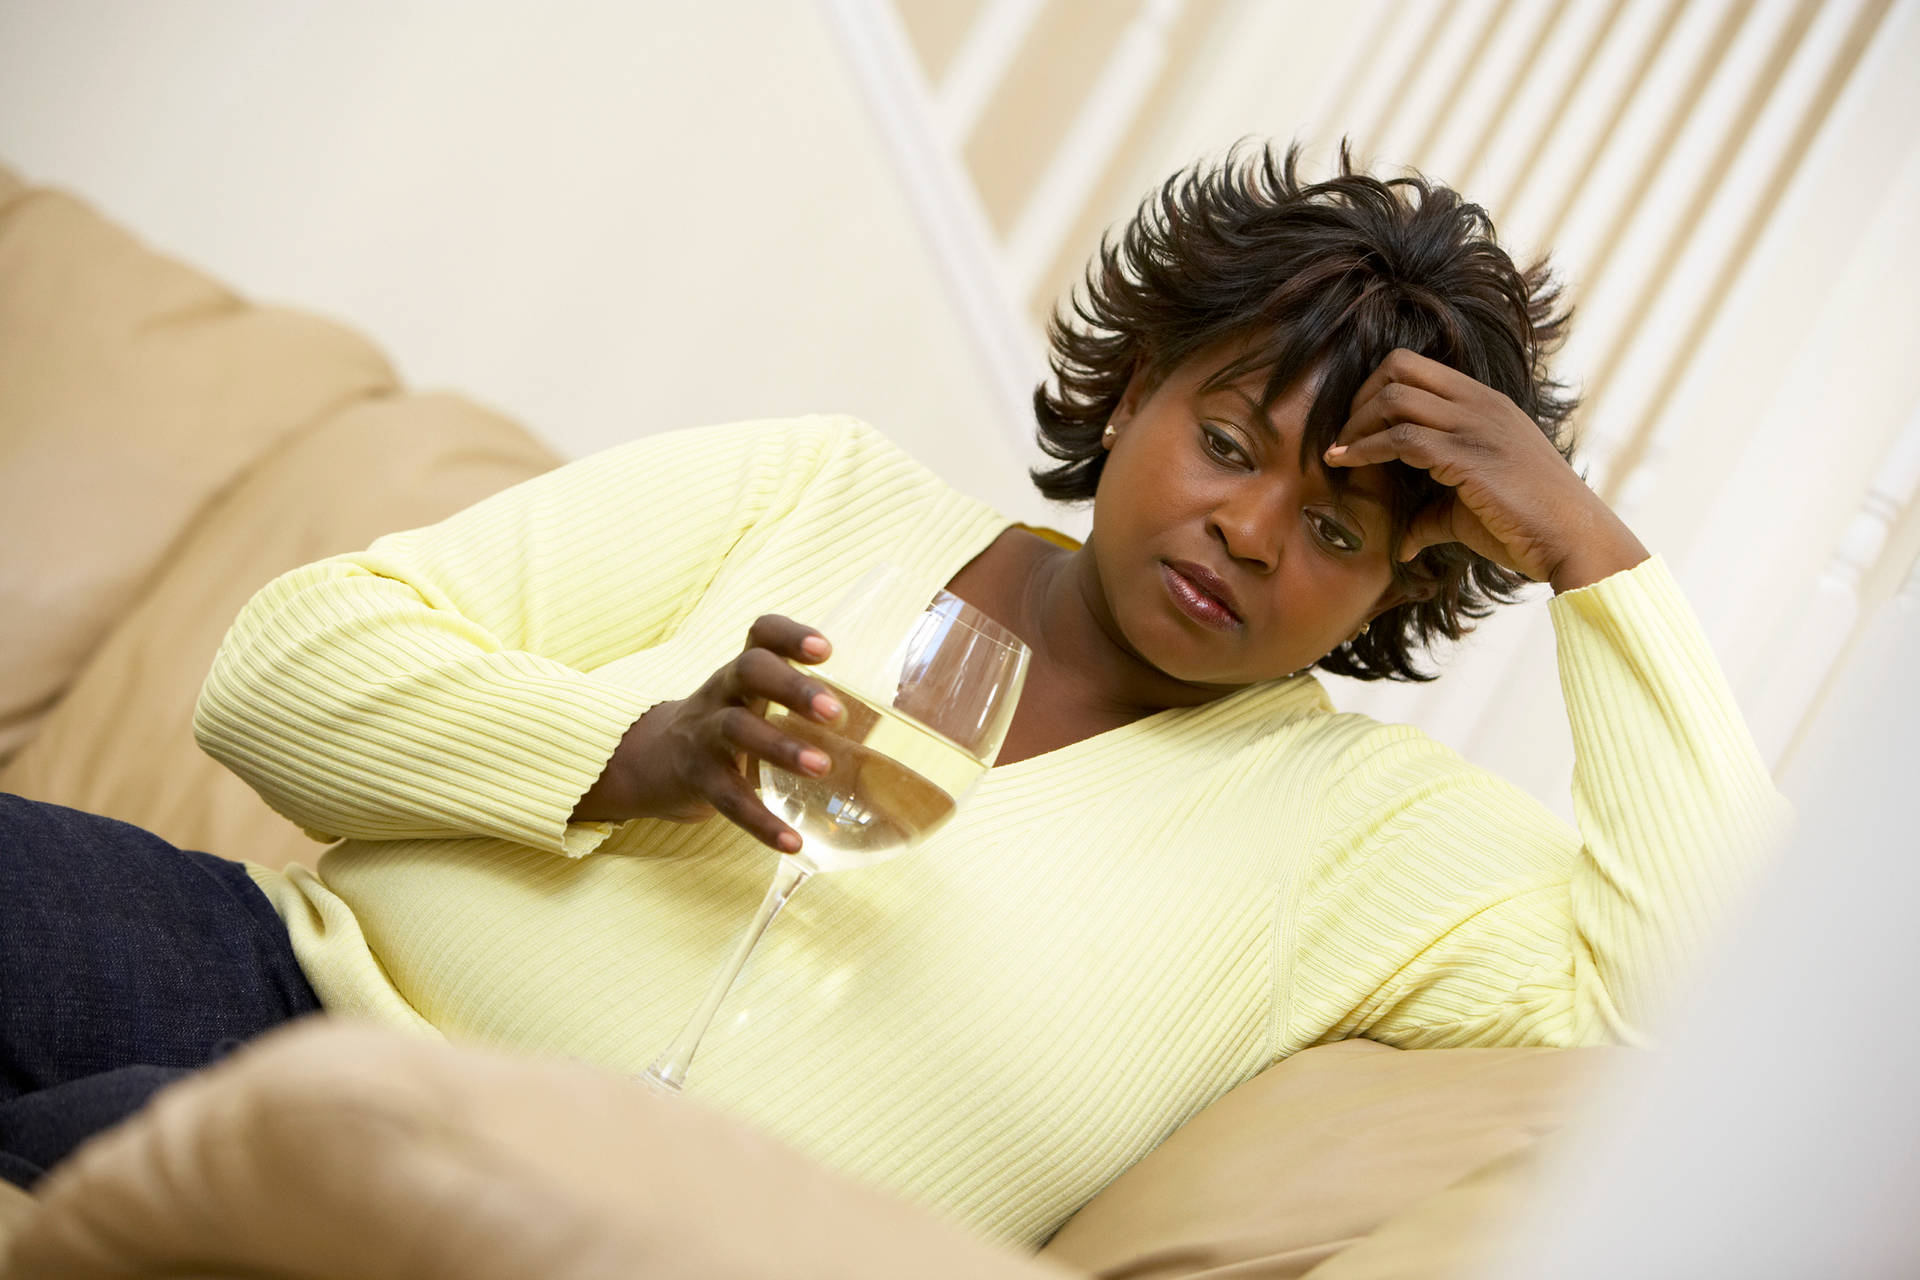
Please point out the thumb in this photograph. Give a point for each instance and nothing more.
(1430, 527)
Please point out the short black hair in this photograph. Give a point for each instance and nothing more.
(1330, 277)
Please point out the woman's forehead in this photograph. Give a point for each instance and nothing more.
(1216, 367)
(1287, 403)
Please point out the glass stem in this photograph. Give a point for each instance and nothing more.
(669, 1071)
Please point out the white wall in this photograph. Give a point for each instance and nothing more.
(603, 219)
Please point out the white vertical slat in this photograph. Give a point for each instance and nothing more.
(1381, 72)
(1267, 70)
(1885, 644)
(1777, 301)
(1540, 178)
(947, 204)
(1671, 263)
(1540, 98)
(1908, 597)
(981, 63)
(1654, 335)
(1357, 55)
(1793, 473)
(1814, 636)
(1633, 145)
(1459, 134)
(1442, 64)
(1089, 145)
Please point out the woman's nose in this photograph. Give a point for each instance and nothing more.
(1249, 522)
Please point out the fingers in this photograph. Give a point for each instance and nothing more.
(789, 639)
(1411, 443)
(1431, 526)
(738, 734)
(737, 802)
(724, 730)
(1398, 403)
(1411, 369)
(743, 731)
(761, 675)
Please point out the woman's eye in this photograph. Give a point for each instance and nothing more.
(1334, 535)
(1221, 446)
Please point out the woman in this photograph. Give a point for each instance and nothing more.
(1317, 429)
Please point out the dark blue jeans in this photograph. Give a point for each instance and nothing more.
(125, 963)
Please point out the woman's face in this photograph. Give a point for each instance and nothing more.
(1200, 484)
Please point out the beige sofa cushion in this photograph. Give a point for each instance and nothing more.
(136, 388)
(165, 450)
(121, 741)
(1452, 1235)
(16, 1207)
(337, 1152)
(1314, 1154)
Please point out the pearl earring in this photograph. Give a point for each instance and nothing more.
(1108, 436)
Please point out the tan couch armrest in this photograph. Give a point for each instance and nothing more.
(353, 1153)
(1452, 1235)
(1311, 1157)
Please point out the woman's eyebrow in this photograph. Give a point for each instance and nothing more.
(1373, 499)
(1260, 417)
(1265, 423)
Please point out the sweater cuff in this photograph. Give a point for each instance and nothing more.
(1637, 624)
(573, 762)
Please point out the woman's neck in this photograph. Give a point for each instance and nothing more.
(1083, 671)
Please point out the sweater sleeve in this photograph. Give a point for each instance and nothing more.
(1444, 906)
(442, 682)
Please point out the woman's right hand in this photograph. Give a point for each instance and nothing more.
(688, 760)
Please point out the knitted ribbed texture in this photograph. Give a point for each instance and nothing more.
(1105, 939)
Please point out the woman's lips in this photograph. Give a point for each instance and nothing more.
(1194, 601)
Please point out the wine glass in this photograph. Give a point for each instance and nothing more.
(929, 690)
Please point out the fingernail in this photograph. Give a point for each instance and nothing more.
(815, 763)
(826, 706)
(788, 842)
(814, 647)
(1334, 451)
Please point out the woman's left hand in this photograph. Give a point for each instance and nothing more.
(1515, 500)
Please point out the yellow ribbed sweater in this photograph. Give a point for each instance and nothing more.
(1106, 938)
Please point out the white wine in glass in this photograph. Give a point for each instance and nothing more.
(929, 691)
(893, 780)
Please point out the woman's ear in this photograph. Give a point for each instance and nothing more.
(1138, 390)
(1395, 596)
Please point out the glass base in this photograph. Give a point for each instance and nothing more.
(659, 1079)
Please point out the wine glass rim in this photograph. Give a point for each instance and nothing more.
(1006, 639)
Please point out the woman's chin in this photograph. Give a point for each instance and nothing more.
(1197, 657)
(1204, 671)
(1180, 663)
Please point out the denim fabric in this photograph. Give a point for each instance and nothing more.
(124, 963)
